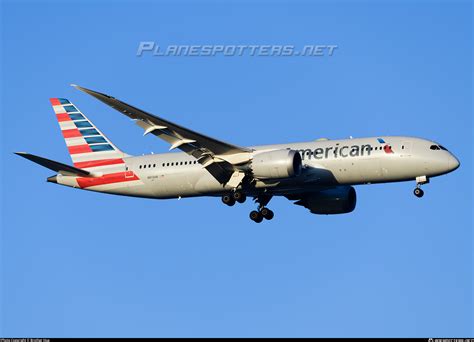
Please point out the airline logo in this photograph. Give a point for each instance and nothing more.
(387, 148)
(87, 146)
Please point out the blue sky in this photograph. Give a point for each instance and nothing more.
(77, 263)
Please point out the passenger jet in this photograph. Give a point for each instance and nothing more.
(318, 175)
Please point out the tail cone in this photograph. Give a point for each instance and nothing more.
(52, 179)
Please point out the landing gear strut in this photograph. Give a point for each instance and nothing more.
(419, 181)
(262, 212)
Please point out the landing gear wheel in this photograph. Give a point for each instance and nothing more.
(256, 216)
(228, 199)
(239, 197)
(267, 213)
(418, 192)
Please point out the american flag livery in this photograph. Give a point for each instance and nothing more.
(90, 149)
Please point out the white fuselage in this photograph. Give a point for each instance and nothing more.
(326, 163)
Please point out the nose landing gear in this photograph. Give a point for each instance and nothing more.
(419, 181)
(418, 192)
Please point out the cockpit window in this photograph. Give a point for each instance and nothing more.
(437, 147)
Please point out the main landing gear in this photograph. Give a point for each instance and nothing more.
(419, 181)
(233, 197)
(255, 215)
(258, 216)
(262, 212)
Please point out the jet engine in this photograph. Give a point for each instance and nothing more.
(338, 200)
(276, 164)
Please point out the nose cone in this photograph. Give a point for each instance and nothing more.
(453, 163)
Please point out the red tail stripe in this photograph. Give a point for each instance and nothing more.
(71, 133)
(94, 163)
(55, 102)
(118, 177)
(79, 149)
(63, 117)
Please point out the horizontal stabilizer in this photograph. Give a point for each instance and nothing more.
(53, 165)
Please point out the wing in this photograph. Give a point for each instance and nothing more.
(219, 158)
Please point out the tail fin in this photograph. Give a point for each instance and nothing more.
(87, 145)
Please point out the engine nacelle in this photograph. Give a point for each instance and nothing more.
(339, 200)
(276, 164)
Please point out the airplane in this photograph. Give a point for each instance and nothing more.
(319, 175)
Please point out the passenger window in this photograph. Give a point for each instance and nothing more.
(181, 163)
